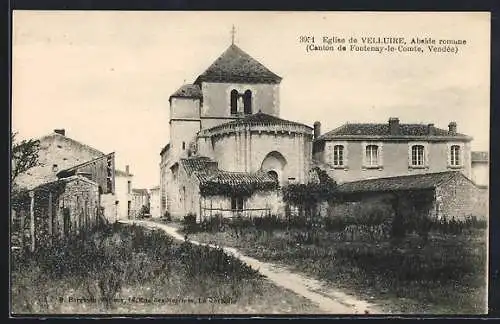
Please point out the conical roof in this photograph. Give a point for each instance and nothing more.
(236, 66)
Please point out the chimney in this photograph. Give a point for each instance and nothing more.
(60, 131)
(317, 129)
(452, 128)
(394, 125)
(430, 129)
(127, 169)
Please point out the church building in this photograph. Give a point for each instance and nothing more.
(229, 150)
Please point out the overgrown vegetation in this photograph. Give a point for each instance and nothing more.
(306, 196)
(24, 156)
(124, 268)
(430, 266)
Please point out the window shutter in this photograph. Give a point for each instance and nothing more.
(363, 154)
(410, 148)
(381, 154)
(448, 154)
(345, 155)
(462, 155)
(426, 155)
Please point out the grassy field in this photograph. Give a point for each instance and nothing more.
(124, 269)
(445, 275)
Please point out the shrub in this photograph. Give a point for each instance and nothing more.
(189, 223)
(167, 216)
(118, 255)
(358, 213)
(214, 223)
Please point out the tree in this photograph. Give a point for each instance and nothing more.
(24, 156)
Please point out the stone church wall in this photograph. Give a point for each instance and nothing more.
(216, 98)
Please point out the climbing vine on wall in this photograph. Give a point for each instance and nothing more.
(308, 195)
(235, 190)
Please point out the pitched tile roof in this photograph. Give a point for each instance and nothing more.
(52, 184)
(382, 130)
(234, 65)
(198, 163)
(205, 170)
(477, 156)
(259, 118)
(188, 91)
(140, 191)
(400, 183)
(73, 141)
(234, 178)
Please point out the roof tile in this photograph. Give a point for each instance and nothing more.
(188, 91)
(259, 118)
(374, 129)
(399, 183)
(235, 65)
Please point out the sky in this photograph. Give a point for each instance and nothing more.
(106, 76)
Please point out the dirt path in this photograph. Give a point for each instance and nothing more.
(329, 300)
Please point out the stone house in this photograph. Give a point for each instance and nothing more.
(140, 199)
(55, 209)
(154, 202)
(480, 168)
(123, 193)
(60, 155)
(227, 122)
(356, 151)
(56, 153)
(447, 194)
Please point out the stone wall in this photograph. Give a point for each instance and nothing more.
(460, 198)
(480, 173)
(60, 209)
(250, 149)
(217, 102)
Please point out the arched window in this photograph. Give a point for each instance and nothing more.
(417, 155)
(247, 102)
(371, 155)
(338, 155)
(455, 155)
(273, 175)
(234, 102)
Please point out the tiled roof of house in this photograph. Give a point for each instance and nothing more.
(205, 170)
(234, 65)
(478, 156)
(234, 178)
(50, 185)
(140, 191)
(188, 91)
(68, 139)
(198, 163)
(400, 183)
(259, 118)
(383, 130)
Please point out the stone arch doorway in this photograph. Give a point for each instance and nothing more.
(274, 164)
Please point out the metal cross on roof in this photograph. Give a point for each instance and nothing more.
(233, 32)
